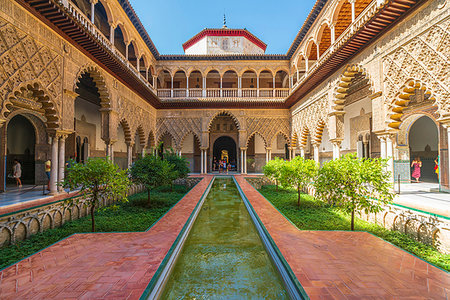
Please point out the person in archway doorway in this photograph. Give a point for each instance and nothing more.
(436, 167)
(416, 165)
(17, 172)
(48, 169)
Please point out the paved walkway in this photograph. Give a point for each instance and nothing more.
(342, 265)
(99, 265)
(424, 196)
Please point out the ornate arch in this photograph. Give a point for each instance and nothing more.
(100, 83)
(194, 69)
(402, 100)
(305, 132)
(227, 113)
(126, 131)
(248, 69)
(282, 133)
(151, 141)
(159, 139)
(344, 82)
(141, 134)
(264, 69)
(255, 133)
(40, 101)
(196, 137)
(318, 132)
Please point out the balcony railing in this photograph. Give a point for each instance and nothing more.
(196, 93)
(84, 21)
(359, 22)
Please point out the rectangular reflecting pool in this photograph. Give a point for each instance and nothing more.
(223, 256)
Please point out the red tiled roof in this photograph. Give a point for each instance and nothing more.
(225, 32)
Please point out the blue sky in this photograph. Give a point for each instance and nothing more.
(170, 23)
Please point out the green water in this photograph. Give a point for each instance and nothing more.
(223, 257)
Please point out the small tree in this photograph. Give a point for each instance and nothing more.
(97, 179)
(180, 166)
(298, 173)
(272, 169)
(352, 183)
(152, 172)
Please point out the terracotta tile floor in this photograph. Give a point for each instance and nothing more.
(348, 265)
(100, 265)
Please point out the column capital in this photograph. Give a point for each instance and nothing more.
(244, 148)
(268, 148)
(70, 93)
(336, 142)
(204, 148)
(112, 24)
(93, 1)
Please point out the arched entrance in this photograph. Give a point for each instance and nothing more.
(223, 135)
(21, 143)
(225, 149)
(423, 141)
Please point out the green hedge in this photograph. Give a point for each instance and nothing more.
(315, 215)
(135, 215)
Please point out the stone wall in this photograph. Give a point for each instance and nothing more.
(20, 225)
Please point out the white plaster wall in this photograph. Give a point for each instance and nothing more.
(120, 145)
(215, 45)
(351, 111)
(198, 48)
(91, 112)
(275, 149)
(259, 145)
(188, 144)
(325, 145)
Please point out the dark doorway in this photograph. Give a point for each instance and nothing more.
(21, 146)
(424, 143)
(225, 145)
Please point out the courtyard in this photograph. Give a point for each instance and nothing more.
(164, 150)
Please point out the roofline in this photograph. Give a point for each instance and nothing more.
(315, 11)
(224, 32)
(224, 57)
(139, 27)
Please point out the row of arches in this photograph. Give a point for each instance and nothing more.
(116, 31)
(230, 83)
(339, 17)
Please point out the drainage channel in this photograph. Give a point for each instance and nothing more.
(224, 252)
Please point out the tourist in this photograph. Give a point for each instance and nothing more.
(225, 166)
(48, 169)
(436, 167)
(416, 165)
(215, 164)
(17, 173)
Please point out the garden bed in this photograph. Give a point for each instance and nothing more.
(134, 215)
(315, 215)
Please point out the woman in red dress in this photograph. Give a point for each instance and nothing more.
(416, 165)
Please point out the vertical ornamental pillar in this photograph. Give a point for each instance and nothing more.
(61, 161)
(54, 167)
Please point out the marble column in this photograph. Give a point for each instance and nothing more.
(61, 161)
(336, 149)
(316, 153)
(201, 161)
(302, 152)
(54, 167)
(129, 155)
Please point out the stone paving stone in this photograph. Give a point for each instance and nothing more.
(348, 265)
(99, 265)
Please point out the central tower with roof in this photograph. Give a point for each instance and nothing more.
(224, 41)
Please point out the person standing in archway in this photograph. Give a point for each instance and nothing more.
(48, 169)
(436, 167)
(416, 165)
(17, 172)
